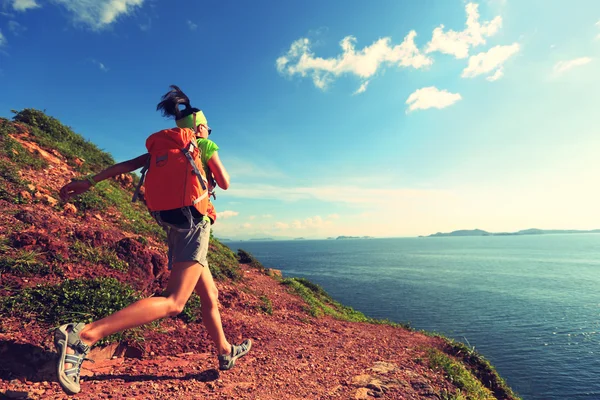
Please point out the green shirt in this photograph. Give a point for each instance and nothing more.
(207, 148)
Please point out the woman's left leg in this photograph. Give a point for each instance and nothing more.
(182, 282)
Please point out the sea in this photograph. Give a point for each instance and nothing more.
(529, 304)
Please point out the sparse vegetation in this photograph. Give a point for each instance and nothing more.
(25, 263)
(469, 388)
(245, 257)
(192, 312)
(50, 133)
(481, 368)
(266, 305)
(98, 255)
(222, 262)
(78, 299)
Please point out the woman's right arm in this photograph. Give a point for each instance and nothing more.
(218, 170)
(80, 186)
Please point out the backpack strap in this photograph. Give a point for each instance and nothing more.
(136, 193)
(188, 154)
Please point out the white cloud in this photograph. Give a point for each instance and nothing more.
(24, 5)
(98, 14)
(497, 75)
(266, 216)
(431, 97)
(362, 88)
(252, 217)
(16, 28)
(364, 63)
(340, 194)
(100, 65)
(246, 226)
(458, 43)
(333, 216)
(563, 66)
(192, 25)
(489, 61)
(281, 225)
(598, 25)
(309, 223)
(2, 39)
(227, 214)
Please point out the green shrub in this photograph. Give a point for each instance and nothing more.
(108, 193)
(222, 262)
(320, 303)
(469, 387)
(92, 200)
(266, 306)
(98, 255)
(84, 300)
(10, 173)
(50, 133)
(192, 311)
(21, 156)
(480, 367)
(25, 263)
(245, 257)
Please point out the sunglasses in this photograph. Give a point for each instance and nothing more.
(207, 128)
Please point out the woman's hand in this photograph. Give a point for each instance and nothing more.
(74, 188)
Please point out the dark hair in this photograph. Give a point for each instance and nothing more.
(169, 106)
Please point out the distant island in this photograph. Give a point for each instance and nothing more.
(353, 237)
(261, 239)
(299, 238)
(533, 231)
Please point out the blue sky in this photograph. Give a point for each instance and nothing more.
(397, 118)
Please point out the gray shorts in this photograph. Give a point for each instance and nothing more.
(188, 244)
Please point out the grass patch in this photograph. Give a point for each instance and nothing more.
(84, 300)
(98, 255)
(108, 193)
(481, 368)
(245, 257)
(192, 312)
(136, 217)
(469, 388)
(91, 200)
(21, 156)
(10, 173)
(50, 133)
(222, 261)
(320, 303)
(266, 305)
(25, 263)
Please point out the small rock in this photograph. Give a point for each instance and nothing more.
(78, 161)
(25, 196)
(50, 200)
(70, 209)
(98, 217)
(31, 187)
(362, 394)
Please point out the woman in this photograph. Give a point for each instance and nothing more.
(188, 247)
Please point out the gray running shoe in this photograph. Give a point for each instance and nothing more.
(68, 336)
(227, 361)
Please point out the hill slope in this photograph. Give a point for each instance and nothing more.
(86, 259)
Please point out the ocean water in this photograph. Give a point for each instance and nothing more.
(529, 304)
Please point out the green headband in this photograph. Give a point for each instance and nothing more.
(188, 122)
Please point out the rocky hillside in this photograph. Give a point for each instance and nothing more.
(82, 260)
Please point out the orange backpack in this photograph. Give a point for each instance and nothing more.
(175, 177)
